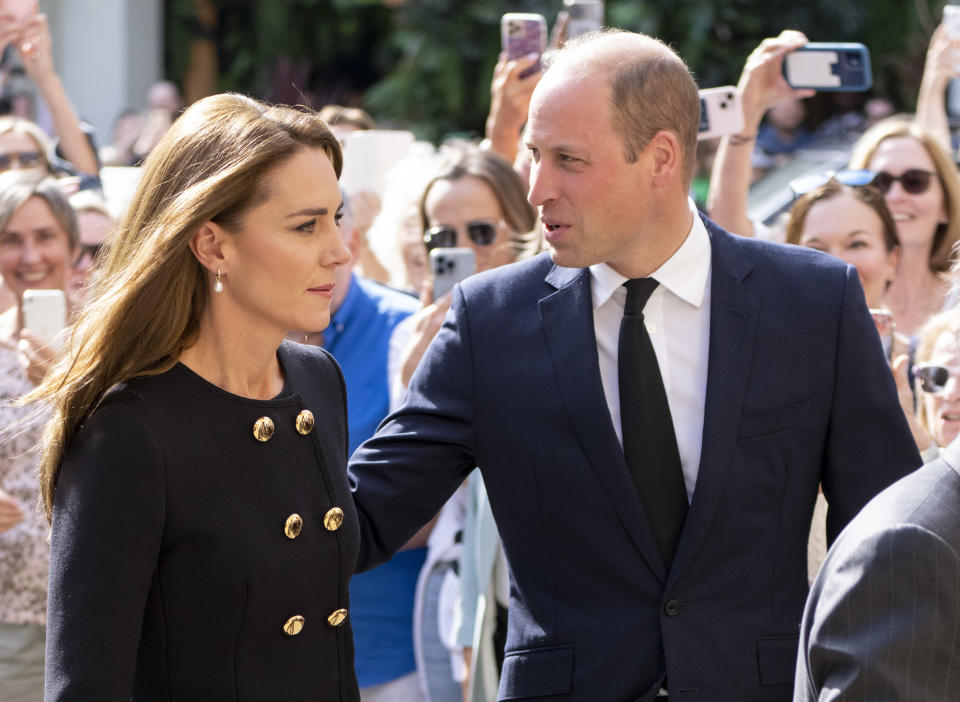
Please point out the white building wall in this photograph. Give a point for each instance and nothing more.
(107, 52)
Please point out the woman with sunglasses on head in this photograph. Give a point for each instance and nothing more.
(846, 217)
(477, 201)
(203, 533)
(38, 240)
(922, 190)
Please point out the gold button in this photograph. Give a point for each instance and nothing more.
(263, 429)
(293, 526)
(333, 519)
(337, 618)
(305, 422)
(293, 626)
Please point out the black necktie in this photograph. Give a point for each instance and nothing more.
(649, 443)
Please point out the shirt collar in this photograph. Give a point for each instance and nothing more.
(685, 274)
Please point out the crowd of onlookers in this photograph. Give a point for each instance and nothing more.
(431, 623)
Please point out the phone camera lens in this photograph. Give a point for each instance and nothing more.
(723, 105)
(853, 59)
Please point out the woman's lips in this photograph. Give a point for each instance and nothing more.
(322, 290)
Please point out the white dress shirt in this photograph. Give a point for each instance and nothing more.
(677, 317)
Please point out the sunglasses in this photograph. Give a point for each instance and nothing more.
(855, 178)
(481, 233)
(912, 180)
(91, 250)
(933, 379)
(23, 159)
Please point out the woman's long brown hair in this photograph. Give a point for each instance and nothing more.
(147, 296)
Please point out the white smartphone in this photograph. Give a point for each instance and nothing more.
(585, 16)
(449, 267)
(721, 112)
(45, 314)
(840, 66)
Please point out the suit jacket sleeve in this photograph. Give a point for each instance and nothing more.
(403, 475)
(107, 524)
(869, 445)
(883, 621)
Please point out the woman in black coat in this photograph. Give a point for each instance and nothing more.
(203, 534)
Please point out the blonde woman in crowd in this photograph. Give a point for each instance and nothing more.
(38, 242)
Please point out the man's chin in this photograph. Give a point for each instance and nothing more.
(566, 258)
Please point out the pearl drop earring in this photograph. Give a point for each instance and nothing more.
(218, 285)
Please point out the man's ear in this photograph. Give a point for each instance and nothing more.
(666, 157)
(207, 247)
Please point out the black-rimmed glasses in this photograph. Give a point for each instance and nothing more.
(481, 233)
(913, 180)
(933, 378)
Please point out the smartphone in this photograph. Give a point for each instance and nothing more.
(721, 112)
(449, 267)
(883, 319)
(523, 33)
(585, 16)
(45, 313)
(21, 9)
(842, 67)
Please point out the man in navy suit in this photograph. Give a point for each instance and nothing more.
(774, 377)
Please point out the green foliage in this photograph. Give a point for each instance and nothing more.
(426, 64)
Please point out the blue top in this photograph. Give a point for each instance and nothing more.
(359, 338)
(381, 600)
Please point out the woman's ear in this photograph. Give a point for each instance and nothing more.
(206, 246)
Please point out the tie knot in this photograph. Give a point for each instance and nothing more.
(639, 291)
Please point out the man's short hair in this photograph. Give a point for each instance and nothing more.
(651, 88)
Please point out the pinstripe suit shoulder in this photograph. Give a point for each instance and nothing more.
(882, 621)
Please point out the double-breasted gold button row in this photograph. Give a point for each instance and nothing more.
(294, 625)
(264, 428)
(331, 522)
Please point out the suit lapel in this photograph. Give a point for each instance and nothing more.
(567, 318)
(734, 312)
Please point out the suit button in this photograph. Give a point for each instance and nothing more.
(671, 608)
(263, 429)
(293, 526)
(305, 422)
(333, 519)
(337, 618)
(293, 626)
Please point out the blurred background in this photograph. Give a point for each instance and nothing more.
(425, 65)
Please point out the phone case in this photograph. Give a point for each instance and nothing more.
(829, 66)
(585, 16)
(523, 33)
(449, 267)
(721, 112)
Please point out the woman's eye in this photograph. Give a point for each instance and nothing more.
(307, 226)
(337, 218)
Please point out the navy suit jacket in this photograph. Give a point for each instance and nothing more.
(798, 394)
